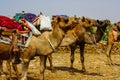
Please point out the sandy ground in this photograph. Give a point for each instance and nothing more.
(96, 66)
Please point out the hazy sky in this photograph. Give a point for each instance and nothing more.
(97, 9)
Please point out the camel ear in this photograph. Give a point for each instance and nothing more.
(98, 21)
(58, 19)
(83, 19)
(66, 20)
(75, 17)
(107, 21)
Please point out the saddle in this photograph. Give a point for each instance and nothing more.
(14, 34)
(6, 36)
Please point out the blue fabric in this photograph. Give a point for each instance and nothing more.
(30, 17)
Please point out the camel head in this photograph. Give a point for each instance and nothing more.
(103, 22)
(87, 22)
(65, 23)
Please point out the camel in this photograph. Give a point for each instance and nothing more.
(10, 30)
(80, 36)
(112, 37)
(44, 45)
(6, 53)
(59, 27)
(88, 39)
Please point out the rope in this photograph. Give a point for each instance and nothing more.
(51, 44)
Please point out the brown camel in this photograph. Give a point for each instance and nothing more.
(88, 39)
(37, 25)
(6, 52)
(111, 39)
(7, 56)
(80, 36)
(45, 45)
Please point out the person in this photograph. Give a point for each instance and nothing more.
(23, 12)
(18, 16)
(41, 13)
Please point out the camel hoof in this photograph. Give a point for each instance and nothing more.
(3, 77)
(110, 64)
(83, 71)
(53, 71)
(72, 71)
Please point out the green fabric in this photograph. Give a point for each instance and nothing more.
(92, 30)
(18, 16)
(108, 28)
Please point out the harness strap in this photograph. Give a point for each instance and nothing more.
(94, 38)
(51, 44)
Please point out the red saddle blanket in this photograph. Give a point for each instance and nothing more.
(9, 23)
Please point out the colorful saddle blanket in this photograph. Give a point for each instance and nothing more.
(10, 24)
(28, 16)
(7, 26)
(22, 39)
(28, 19)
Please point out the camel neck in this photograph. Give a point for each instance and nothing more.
(56, 37)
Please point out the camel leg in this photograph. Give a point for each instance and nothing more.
(2, 74)
(109, 46)
(42, 66)
(1, 67)
(108, 54)
(50, 61)
(72, 48)
(9, 68)
(16, 70)
(82, 46)
(25, 65)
